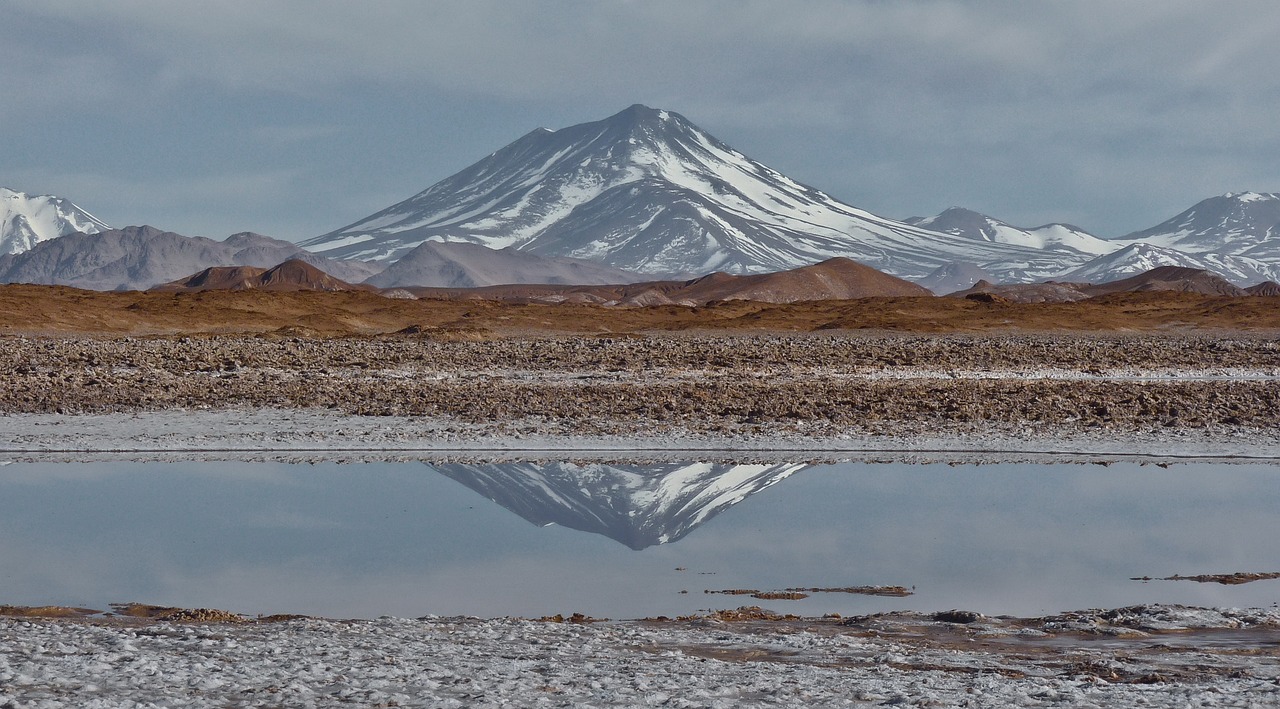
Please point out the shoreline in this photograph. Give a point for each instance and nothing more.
(321, 435)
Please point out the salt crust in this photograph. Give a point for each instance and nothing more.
(462, 662)
(314, 435)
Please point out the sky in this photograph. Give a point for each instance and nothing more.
(293, 118)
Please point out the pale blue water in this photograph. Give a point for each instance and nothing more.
(364, 540)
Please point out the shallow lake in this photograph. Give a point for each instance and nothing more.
(627, 541)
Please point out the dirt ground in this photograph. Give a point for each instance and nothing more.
(56, 310)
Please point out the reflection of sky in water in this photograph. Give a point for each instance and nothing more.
(401, 539)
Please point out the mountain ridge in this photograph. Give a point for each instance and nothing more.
(137, 258)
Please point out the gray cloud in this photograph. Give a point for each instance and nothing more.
(1112, 115)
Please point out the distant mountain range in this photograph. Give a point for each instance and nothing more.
(137, 258)
(646, 190)
(1236, 235)
(643, 195)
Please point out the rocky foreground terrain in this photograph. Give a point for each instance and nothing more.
(810, 384)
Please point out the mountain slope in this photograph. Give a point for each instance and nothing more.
(1142, 257)
(462, 265)
(639, 506)
(1237, 224)
(137, 258)
(952, 277)
(833, 279)
(27, 220)
(648, 191)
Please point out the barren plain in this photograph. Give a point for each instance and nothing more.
(1138, 364)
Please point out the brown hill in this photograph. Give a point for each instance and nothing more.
(1264, 288)
(1165, 278)
(1025, 292)
(292, 275)
(833, 279)
(216, 278)
(1170, 278)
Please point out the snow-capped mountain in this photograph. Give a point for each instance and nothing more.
(637, 505)
(1236, 224)
(1141, 257)
(26, 220)
(1061, 237)
(646, 190)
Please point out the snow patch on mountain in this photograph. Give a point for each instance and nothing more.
(27, 220)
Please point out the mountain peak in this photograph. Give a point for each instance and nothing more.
(638, 110)
(640, 113)
(1246, 197)
(27, 220)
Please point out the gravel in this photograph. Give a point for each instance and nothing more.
(810, 385)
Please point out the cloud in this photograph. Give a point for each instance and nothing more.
(570, 47)
(1021, 108)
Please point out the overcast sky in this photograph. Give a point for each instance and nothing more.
(296, 117)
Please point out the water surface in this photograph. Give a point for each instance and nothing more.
(410, 539)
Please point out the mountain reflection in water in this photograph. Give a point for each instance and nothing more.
(638, 505)
(368, 539)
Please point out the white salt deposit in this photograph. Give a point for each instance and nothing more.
(482, 663)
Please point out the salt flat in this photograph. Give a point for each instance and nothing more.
(1152, 656)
